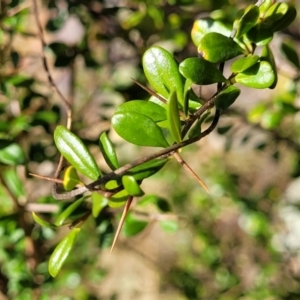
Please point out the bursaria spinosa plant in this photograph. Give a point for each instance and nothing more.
(172, 118)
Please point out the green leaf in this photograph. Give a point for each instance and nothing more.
(12, 155)
(75, 152)
(132, 226)
(216, 48)
(71, 178)
(290, 53)
(61, 252)
(139, 130)
(227, 97)
(286, 20)
(264, 7)
(174, 118)
(108, 151)
(267, 55)
(68, 211)
(187, 93)
(169, 225)
(150, 109)
(118, 200)
(201, 71)
(13, 182)
(147, 169)
(40, 221)
(98, 203)
(206, 25)
(247, 21)
(244, 63)
(196, 129)
(275, 12)
(261, 34)
(161, 70)
(131, 186)
(259, 76)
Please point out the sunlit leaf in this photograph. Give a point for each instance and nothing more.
(71, 178)
(138, 129)
(285, 20)
(247, 21)
(108, 151)
(244, 63)
(261, 34)
(61, 252)
(131, 186)
(12, 154)
(98, 203)
(75, 152)
(13, 182)
(40, 221)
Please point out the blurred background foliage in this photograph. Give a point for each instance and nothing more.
(240, 241)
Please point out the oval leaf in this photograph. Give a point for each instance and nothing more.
(132, 226)
(131, 186)
(289, 51)
(275, 12)
(259, 76)
(216, 48)
(68, 211)
(244, 63)
(201, 71)
(247, 21)
(286, 20)
(61, 252)
(71, 178)
(139, 130)
(108, 151)
(150, 109)
(174, 118)
(227, 97)
(75, 152)
(98, 203)
(161, 70)
(261, 34)
(12, 155)
(267, 55)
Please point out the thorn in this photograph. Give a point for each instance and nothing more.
(47, 178)
(124, 214)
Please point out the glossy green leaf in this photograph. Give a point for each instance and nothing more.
(68, 212)
(61, 252)
(131, 186)
(200, 71)
(275, 12)
(267, 55)
(108, 151)
(264, 7)
(71, 178)
(244, 63)
(12, 154)
(261, 34)
(161, 70)
(13, 182)
(40, 221)
(98, 203)
(75, 152)
(119, 199)
(259, 76)
(215, 47)
(132, 226)
(173, 118)
(147, 169)
(138, 129)
(207, 25)
(227, 97)
(247, 21)
(289, 51)
(286, 20)
(150, 109)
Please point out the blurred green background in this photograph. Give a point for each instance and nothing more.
(240, 241)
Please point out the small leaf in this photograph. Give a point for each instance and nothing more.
(131, 186)
(216, 48)
(227, 97)
(118, 199)
(108, 151)
(61, 252)
(150, 109)
(139, 130)
(267, 55)
(265, 6)
(132, 226)
(75, 152)
(12, 155)
(68, 211)
(290, 53)
(196, 129)
(13, 182)
(286, 20)
(275, 12)
(259, 76)
(161, 70)
(147, 169)
(244, 63)
(40, 221)
(247, 21)
(174, 118)
(200, 71)
(98, 203)
(71, 178)
(261, 34)
(169, 225)
(206, 25)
